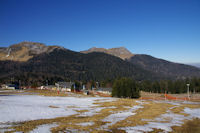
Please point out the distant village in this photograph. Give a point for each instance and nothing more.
(64, 87)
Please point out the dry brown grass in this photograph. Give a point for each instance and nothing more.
(51, 106)
(150, 111)
(179, 110)
(192, 126)
(118, 103)
(82, 111)
(148, 95)
(21, 55)
(47, 93)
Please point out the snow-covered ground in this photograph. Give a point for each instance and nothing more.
(44, 128)
(86, 124)
(194, 113)
(165, 121)
(17, 108)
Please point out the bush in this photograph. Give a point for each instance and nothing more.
(125, 87)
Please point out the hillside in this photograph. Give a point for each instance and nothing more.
(163, 67)
(24, 51)
(157, 66)
(35, 62)
(62, 64)
(194, 64)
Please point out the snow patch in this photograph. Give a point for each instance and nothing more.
(92, 111)
(193, 112)
(148, 127)
(86, 124)
(177, 103)
(46, 128)
(114, 118)
(32, 107)
(9, 50)
(141, 102)
(164, 122)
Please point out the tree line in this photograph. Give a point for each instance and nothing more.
(126, 87)
(169, 86)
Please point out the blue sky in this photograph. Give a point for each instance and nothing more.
(168, 29)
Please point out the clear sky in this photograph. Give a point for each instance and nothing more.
(168, 29)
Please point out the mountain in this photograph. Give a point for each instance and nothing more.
(120, 52)
(24, 51)
(63, 64)
(157, 66)
(195, 64)
(163, 67)
(35, 63)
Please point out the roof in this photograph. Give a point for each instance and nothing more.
(64, 84)
(50, 86)
(105, 89)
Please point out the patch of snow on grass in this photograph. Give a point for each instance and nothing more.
(137, 129)
(5, 130)
(175, 119)
(177, 103)
(4, 125)
(149, 127)
(32, 107)
(74, 131)
(189, 102)
(114, 118)
(164, 122)
(112, 107)
(193, 112)
(92, 111)
(141, 102)
(86, 124)
(44, 128)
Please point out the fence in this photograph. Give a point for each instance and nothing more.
(164, 97)
(175, 98)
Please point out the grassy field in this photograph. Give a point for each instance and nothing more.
(148, 112)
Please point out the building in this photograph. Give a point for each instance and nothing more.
(104, 90)
(64, 86)
(11, 86)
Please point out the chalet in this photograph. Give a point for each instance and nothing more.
(11, 86)
(64, 86)
(104, 90)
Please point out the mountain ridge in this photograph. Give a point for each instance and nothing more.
(194, 64)
(164, 67)
(62, 64)
(95, 63)
(156, 65)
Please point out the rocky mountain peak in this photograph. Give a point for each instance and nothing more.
(121, 52)
(24, 51)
